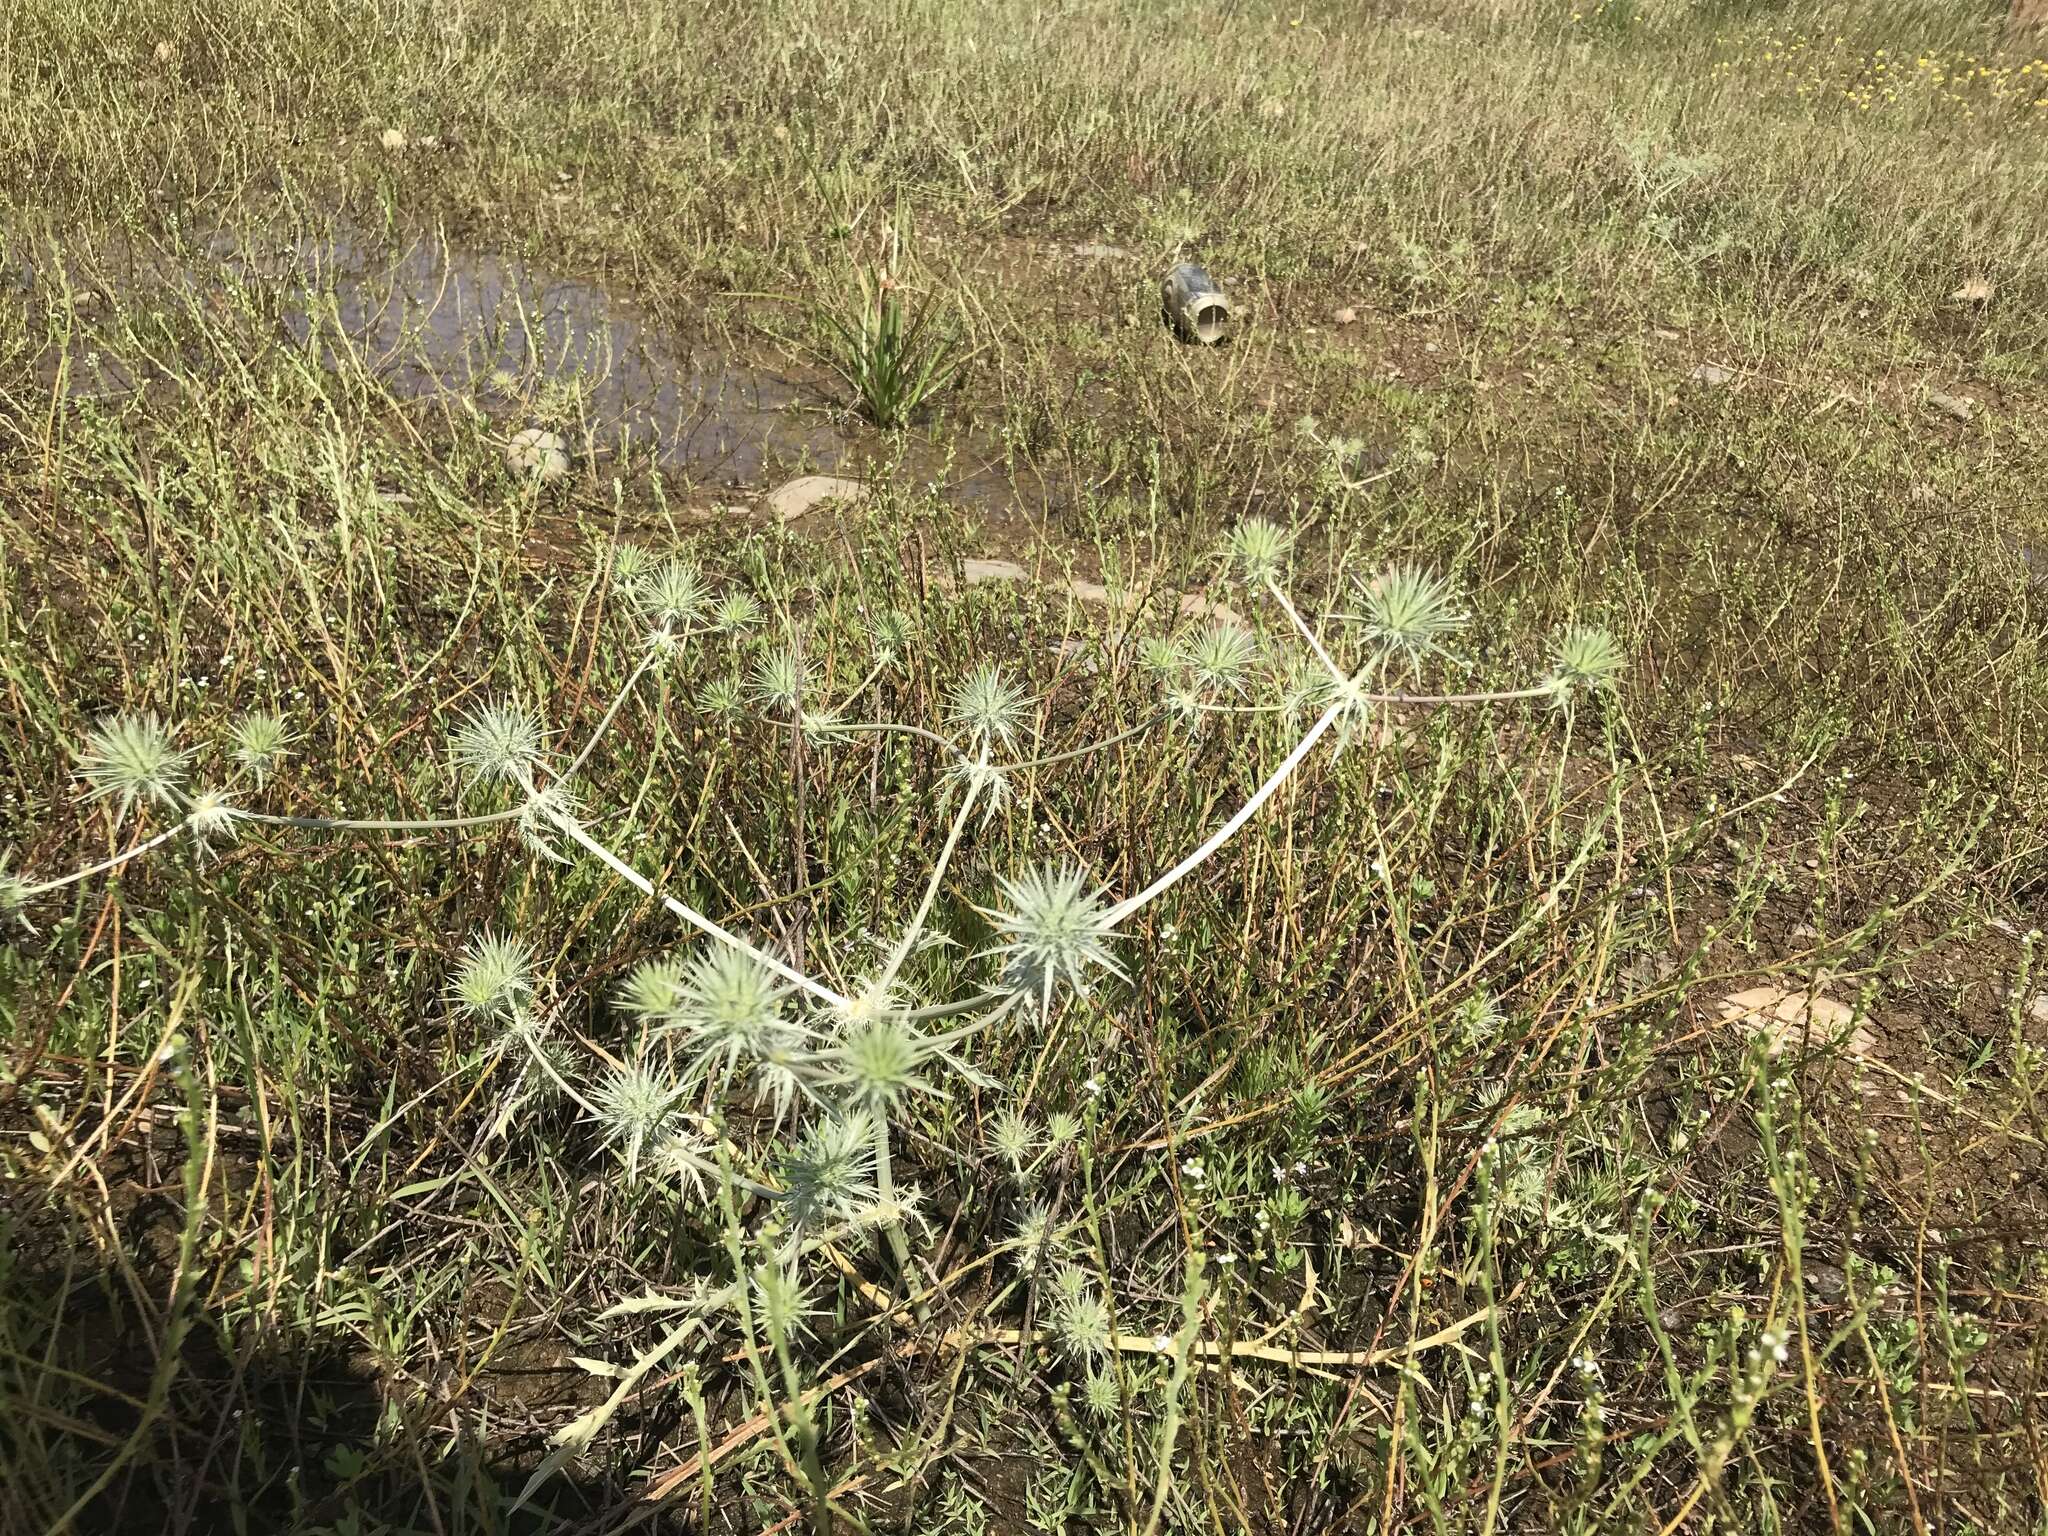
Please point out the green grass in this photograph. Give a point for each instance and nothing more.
(1417, 1100)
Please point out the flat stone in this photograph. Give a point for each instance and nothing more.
(1785, 1017)
(539, 454)
(788, 502)
(1962, 407)
(1712, 374)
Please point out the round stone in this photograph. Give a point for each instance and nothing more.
(538, 454)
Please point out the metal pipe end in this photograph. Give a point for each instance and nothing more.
(1196, 309)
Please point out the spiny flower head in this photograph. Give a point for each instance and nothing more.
(211, 815)
(1586, 657)
(730, 1006)
(989, 780)
(783, 1069)
(494, 979)
(1307, 688)
(131, 757)
(1410, 611)
(553, 1063)
(1080, 1322)
(722, 699)
(1069, 1281)
(988, 707)
(654, 991)
(866, 1001)
(830, 1174)
(784, 1306)
(1158, 655)
(1014, 1139)
(890, 633)
(880, 1064)
(634, 1107)
(672, 595)
(1100, 1394)
(824, 726)
(730, 994)
(783, 679)
(1052, 930)
(501, 740)
(14, 895)
(1185, 705)
(685, 1159)
(1036, 1234)
(736, 611)
(631, 565)
(1219, 654)
(1258, 549)
(258, 741)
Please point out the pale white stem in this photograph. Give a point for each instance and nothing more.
(1499, 696)
(1093, 746)
(449, 823)
(540, 1059)
(1337, 673)
(106, 864)
(865, 683)
(1124, 909)
(605, 724)
(351, 824)
(931, 890)
(951, 1010)
(883, 727)
(575, 829)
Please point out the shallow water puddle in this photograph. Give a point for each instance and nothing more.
(436, 321)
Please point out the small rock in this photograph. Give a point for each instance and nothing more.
(166, 52)
(1786, 1017)
(975, 571)
(1825, 1280)
(1713, 375)
(393, 139)
(787, 503)
(1345, 316)
(1663, 335)
(538, 454)
(1962, 407)
(1092, 251)
(2035, 1007)
(1975, 290)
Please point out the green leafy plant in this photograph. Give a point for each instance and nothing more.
(895, 354)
